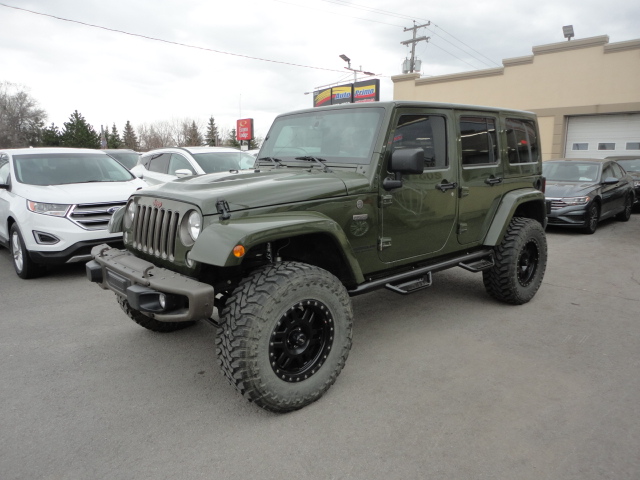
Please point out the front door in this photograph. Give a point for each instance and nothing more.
(481, 175)
(417, 219)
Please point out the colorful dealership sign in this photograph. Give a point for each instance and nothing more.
(244, 129)
(365, 91)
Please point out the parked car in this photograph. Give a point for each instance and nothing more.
(631, 164)
(128, 158)
(254, 152)
(580, 192)
(166, 164)
(55, 204)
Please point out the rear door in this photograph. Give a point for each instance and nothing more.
(481, 174)
(156, 167)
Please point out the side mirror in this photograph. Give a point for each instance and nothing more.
(183, 172)
(405, 161)
(610, 181)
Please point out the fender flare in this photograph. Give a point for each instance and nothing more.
(507, 209)
(216, 242)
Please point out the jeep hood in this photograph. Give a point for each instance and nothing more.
(250, 189)
(568, 189)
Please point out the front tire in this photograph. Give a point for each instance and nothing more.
(148, 322)
(592, 220)
(23, 265)
(285, 335)
(520, 262)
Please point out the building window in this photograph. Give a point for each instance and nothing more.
(580, 146)
(606, 146)
(633, 145)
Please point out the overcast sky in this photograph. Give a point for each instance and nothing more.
(257, 58)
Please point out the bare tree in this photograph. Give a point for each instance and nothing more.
(21, 119)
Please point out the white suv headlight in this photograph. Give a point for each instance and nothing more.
(54, 209)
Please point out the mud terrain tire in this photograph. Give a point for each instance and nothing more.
(285, 335)
(520, 262)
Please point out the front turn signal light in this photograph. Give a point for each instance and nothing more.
(239, 251)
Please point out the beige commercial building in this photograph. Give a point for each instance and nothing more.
(585, 92)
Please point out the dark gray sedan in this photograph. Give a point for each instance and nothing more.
(580, 192)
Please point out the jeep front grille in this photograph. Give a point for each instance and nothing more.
(94, 216)
(154, 231)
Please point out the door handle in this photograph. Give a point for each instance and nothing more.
(493, 180)
(444, 186)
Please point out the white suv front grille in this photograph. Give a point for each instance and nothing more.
(93, 216)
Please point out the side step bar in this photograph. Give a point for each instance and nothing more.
(414, 279)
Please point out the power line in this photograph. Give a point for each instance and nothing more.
(437, 26)
(328, 11)
(373, 10)
(169, 41)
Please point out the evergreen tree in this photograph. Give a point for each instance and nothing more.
(211, 138)
(193, 138)
(129, 137)
(78, 133)
(113, 138)
(51, 136)
(231, 139)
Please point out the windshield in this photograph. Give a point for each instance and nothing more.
(571, 171)
(343, 136)
(630, 165)
(65, 168)
(128, 159)
(212, 162)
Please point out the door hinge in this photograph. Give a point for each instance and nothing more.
(384, 242)
(385, 200)
(462, 227)
(463, 192)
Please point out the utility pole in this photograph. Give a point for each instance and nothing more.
(413, 41)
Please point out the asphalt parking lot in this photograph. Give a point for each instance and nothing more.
(442, 384)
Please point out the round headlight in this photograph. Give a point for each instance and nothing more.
(190, 227)
(194, 225)
(128, 215)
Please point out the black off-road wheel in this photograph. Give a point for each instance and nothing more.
(520, 262)
(285, 335)
(23, 265)
(592, 219)
(148, 322)
(625, 214)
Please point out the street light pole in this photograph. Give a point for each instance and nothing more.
(355, 71)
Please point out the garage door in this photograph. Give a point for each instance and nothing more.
(600, 136)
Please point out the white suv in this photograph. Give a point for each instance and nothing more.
(55, 204)
(167, 164)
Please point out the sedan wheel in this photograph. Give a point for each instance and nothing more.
(592, 219)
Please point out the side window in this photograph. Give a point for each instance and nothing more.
(607, 172)
(178, 162)
(617, 171)
(159, 163)
(522, 142)
(479, 140)
(427, 132)
(4, 169)
(145, 160)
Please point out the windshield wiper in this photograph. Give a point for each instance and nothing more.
(273, 161)
(316, 160)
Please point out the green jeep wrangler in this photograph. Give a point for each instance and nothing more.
(342, 200)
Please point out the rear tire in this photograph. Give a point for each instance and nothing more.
(520, 262)
(625, 214)
(148, 322)
(285, 335)
(23, 265)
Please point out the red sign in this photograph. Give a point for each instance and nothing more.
(244, 129)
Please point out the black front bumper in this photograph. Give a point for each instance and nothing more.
(574, 216)
(142, 283)
(78, 252)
